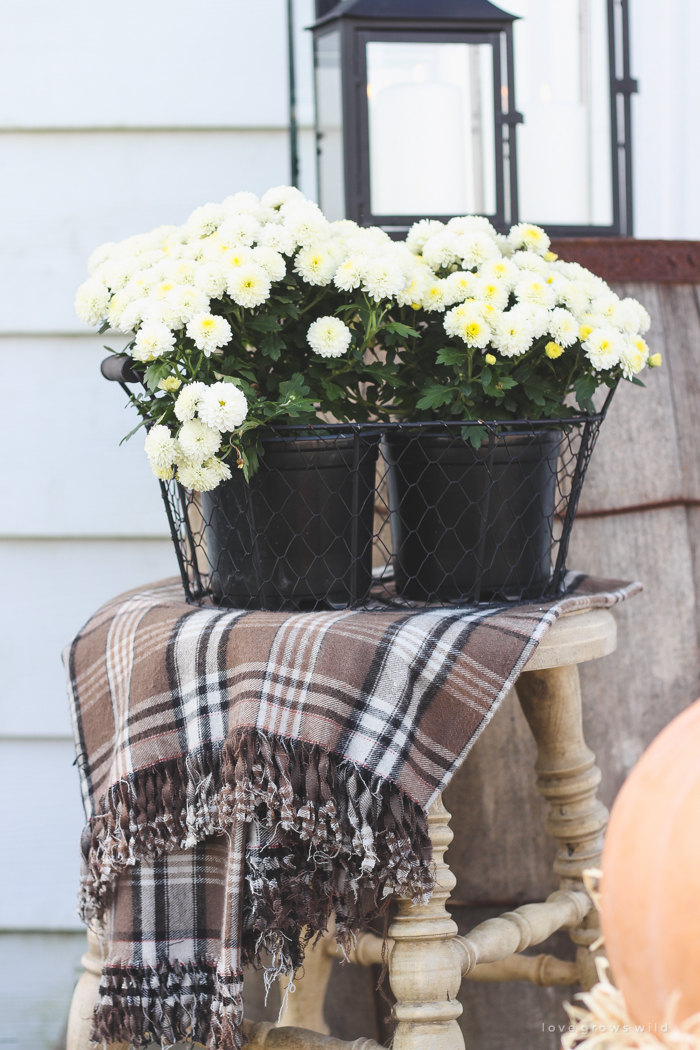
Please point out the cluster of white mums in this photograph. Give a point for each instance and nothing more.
(159, 283)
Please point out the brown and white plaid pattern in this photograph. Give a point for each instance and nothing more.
(334, 730)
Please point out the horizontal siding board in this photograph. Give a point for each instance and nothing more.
(50, 589)
(41, 818)
(65, 194)
(82, 483)
(681, 321)
(125, 62)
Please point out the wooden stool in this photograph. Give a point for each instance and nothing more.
(427, 958)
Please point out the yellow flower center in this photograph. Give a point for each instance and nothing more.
(553, 350)
(584, 331)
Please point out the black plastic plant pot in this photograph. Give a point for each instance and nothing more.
(472, 524)
(299, 534)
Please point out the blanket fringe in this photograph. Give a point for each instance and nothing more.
(169, 1003)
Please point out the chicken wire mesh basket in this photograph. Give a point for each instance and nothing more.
(389, 514)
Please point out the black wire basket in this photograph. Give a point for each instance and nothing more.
(388, 514)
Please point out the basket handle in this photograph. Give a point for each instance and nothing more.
(119, 368)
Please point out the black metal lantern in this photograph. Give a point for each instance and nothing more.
(415, 111)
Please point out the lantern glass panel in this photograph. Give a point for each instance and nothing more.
(329, 128)
(563, 90)
(431, 128)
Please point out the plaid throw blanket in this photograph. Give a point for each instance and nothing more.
(245, 774)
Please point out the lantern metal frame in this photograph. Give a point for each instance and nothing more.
(470, 21)
(427, 21)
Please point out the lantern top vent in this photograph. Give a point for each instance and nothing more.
(476, 11)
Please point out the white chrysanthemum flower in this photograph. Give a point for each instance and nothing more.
(348, 276)
(182, 271)
(236, 257)
(603, 347)
(204, 220)
(532, 238)
(188, 400)
(153, 340)
(198, 441)
(436, 294)
(466, 225)
(420, 232)
(573, 295)
(160, 289)
(270, 260)
(329, 337)
(218, 468)
(186, 301)
(280, 195)
(634, 354)
(475, 249)
(92, 301)
(532, 288)
(211, 278)
(160, 447)
(383, 278)
(249, 285)
(502, 270)
(100, 255)
(133, 314)
(117, 272)
(214, 250)
(468, 323)
(460, 286)
(201, 477)
(563, 327)
(277, 237)
(415, 287)
(307, 225)
(117, 305)
(491, 291)
(531, 263)
(632, 318)
(607, 306)
(161, 312)
(537, 317)
(316, 265)
(239, 229)
(243, 201)
(222, 406)
(442, 249)
(209, 332)
(512, 334)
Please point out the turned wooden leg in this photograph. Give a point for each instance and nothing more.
(424, 966)
(568, 778)
(85, 997)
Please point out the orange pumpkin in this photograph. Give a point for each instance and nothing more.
(650, 900)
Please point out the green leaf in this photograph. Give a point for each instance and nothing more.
(435, 396)
(272, 345)
(264, 324)
(449, 355)
(637, 382)
(475, 435)
(506, 383)
(585, 388)
(155, 372)
(401, 329)
(333, 392)
(485, 376)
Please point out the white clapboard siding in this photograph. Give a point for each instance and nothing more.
(84, 483)
(50, 589)
(41, 819)
(143, 63)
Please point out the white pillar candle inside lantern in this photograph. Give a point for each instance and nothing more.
(431, 128)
